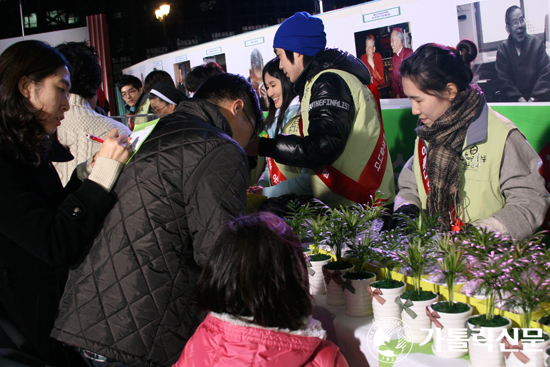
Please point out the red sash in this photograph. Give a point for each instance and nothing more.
(456, 223)
(275, 175)
(363, 190)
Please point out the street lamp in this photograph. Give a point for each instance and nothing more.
(161, 13)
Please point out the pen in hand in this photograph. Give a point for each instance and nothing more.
(95, 138)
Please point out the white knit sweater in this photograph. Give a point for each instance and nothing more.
(79, 121)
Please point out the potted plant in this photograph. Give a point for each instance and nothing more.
(413, 303)
(316, 226)
(447, 316)
(490, 265)
(527, 283)
(384, 292)
(354, 284)
(335, 236)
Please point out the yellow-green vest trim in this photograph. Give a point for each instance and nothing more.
(366, 134)
(479, 167)
(279, 172)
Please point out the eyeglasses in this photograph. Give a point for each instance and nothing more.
(127, 93)
(254, 132)
(518, 21)
(157, 111)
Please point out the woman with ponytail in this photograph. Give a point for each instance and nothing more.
(470, 164)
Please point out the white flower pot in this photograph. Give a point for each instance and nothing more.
(358, 304)
(445, 340)
(534, 351)
(486, 353)
(333, 285)
(317, 281)
(388, 308)
(547, 356)
(418, 328)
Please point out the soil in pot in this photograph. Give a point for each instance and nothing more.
(358, 275)
(496, 321)
(545, 320)
(415, 296)
(387, 284)
(338, 265)
(456, 307)
(319, 257)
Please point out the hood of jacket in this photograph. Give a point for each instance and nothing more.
(201, 109)
(332, 58)
(227, 341)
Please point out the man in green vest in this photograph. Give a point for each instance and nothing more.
(340, 137)
(137, 100)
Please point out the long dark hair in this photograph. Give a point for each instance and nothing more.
(257, 269)
(272, 68)
(432, 66)
(21, 133)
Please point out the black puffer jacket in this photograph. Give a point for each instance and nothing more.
(329, 126)
(131, 298)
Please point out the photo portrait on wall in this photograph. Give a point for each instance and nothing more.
(383, 50)
(512, 36)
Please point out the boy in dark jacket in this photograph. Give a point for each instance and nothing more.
(340, 135)
(131, 298)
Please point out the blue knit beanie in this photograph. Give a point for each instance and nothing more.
(301, 33)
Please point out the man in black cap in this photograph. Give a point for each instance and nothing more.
(340, 135)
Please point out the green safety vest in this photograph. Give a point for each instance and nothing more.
(479, 169)
(365, 166)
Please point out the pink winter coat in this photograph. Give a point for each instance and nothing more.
(224, 341)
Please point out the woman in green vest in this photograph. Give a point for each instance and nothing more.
(284, 106)
(470, 164)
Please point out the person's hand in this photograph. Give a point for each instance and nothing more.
(115, 147)
(255, 190)
(399, 216)
(93, 161)
(252, 147)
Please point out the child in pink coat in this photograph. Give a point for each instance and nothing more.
(255, 288)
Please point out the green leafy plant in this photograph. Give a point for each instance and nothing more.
(486, 247)
(316, 229)
(424, 226)
(452, 262)
(297, 216)
(389, 243)
(335, 232)
(363, 250)
(416, 257)
(527, 277)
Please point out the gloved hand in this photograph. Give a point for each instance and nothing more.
(409, 210)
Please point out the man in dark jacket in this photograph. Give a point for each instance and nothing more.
(522, 64)
(131, 298)
(340, 135)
